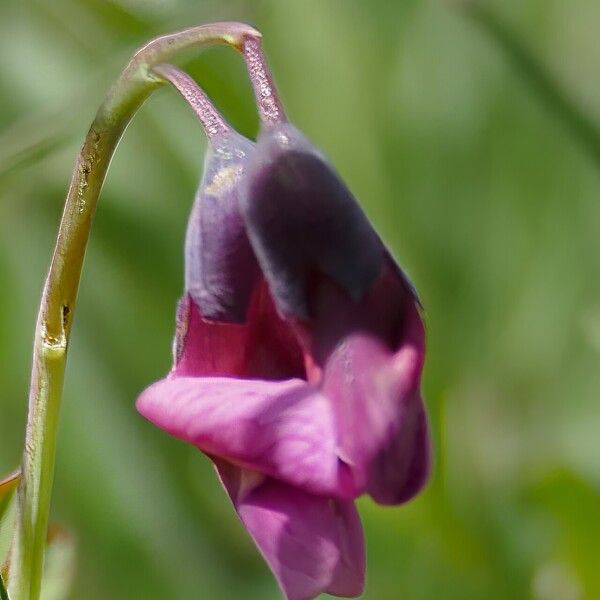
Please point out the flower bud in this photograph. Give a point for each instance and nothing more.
(315, 398)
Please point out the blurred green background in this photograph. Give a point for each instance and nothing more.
(487, 196)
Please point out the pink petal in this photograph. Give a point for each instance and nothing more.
(367, 358)
(311, 543)
(283, 429)
(402, 466)
(263, 347)
(379, 416)
(208, 347)
(349, 576)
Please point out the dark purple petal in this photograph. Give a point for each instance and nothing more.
(311, 543)
(302, 219)
(220, 268)
(283, 429)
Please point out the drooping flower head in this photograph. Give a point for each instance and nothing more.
(298, 352)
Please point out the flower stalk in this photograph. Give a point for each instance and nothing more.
(133, 87)
(267, 99)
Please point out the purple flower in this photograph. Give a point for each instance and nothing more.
(298, 358)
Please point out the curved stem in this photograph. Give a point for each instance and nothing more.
(55, 317)
(212, 121)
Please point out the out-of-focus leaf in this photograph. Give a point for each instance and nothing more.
(577, 540)
(548, 88)
(3, 592)
(59, 564)
(7, 488)
(30, 155)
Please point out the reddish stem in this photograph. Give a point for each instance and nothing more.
(212, 121)
(267, 98)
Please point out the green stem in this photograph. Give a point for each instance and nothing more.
(581, 125)
(55, 317)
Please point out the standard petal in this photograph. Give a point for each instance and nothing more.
(311, 543)
(301, 218)
(283, 429)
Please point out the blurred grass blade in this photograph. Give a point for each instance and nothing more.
(547, 87)
(7, 488)
(59, 565)
(30, 155)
